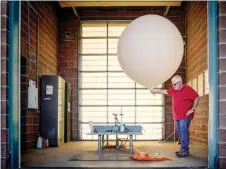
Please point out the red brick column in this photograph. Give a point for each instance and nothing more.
(4, 84)
(68, 63)
(222, 84)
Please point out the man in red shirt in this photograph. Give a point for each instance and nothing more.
(184, 102)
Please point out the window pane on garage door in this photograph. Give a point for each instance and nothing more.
(93, 63)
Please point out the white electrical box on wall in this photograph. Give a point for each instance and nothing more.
(32, 97)
(32, 83)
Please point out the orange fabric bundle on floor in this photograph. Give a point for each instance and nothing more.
(142, 156)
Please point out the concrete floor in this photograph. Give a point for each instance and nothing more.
(60, 156)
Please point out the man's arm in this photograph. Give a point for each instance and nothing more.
(195, 103)
(193, 107)
(159, 91)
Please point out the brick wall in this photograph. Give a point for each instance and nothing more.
(196, 22)
(196, 63)
(48, 60)
(175, 14)
(68, 60)
(222, 84)
(4, 84)
(199, 125)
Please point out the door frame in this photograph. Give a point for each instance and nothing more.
(14, 84)
(213, 84)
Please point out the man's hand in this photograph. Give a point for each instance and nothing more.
(152, 91)
(194, 106)
(189, 112)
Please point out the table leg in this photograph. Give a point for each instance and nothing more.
(117, 146)
(102, 142)
(107, 139)
(131, 144)
(99, 143)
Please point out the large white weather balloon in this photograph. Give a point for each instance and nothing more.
(150, 50)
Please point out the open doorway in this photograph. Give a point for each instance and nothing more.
(63, 57)
(89, 44)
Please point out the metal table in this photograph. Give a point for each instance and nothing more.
(101, 132)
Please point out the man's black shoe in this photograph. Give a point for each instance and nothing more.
(182, 153)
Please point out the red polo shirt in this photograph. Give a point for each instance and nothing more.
(182, 101)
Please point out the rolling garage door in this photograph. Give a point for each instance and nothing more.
(105, 89)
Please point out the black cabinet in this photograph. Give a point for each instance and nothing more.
(52, 109)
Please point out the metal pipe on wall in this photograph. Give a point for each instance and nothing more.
(33, 8)
(37, 40)
(37, 49)
(29, 43)
(37, 58)
(185, 38)
(78, 75)
(166, 11)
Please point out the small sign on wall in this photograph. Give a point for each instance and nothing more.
(49, 89)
